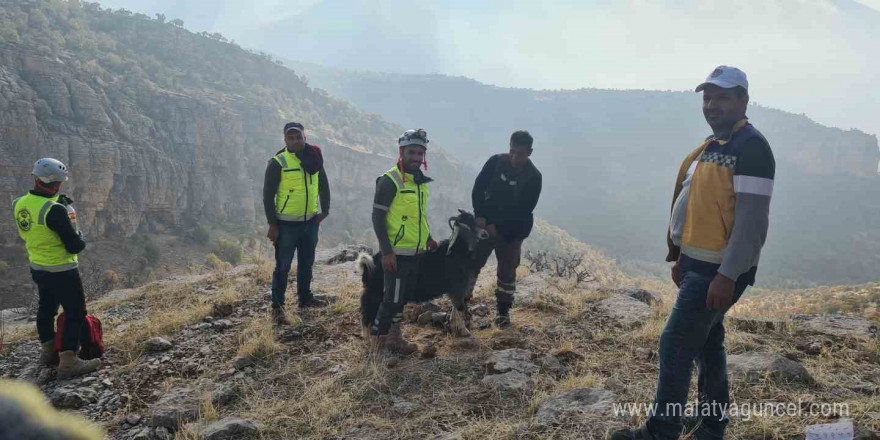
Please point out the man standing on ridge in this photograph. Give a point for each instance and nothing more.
(400, 221)
(53, 243)
(504, 196)
(719, 220)
(294, 184)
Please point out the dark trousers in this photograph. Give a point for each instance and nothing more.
(294, 238)
(64, 289)
(397, 286)
(508, 254)
(692, 333)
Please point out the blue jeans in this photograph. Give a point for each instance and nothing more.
(294, 237)
(692, 333)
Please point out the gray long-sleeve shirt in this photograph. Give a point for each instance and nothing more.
(753, 185)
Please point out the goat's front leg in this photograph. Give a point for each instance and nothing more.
(458, 323)
(460, 318)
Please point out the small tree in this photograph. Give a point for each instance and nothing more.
(563, 266)
(228, 249)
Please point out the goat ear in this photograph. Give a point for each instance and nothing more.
(452, 239)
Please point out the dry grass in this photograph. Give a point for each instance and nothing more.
(170, 308)
(258, 339)
(294, 395)
(863, 300)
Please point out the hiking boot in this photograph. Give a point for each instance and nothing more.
(394, 342)
(48, 355)
(502, 314)
(70, 365)
(278, 317)
(502, 320)
(631, 434)
(701, 430)
(691, 423)
(313, 302)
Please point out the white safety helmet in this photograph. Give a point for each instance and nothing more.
(50, 170)
(413, 137)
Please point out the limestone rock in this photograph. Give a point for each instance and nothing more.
(573, 406)
(627, 311)
(641, 295)
(230, 428)
(551, 365)
(242, 362)
(141, 434)
(224, 394)
(68, 398)
(511, 360)
(402, 407)
(347, 254)
(181, 404)
(756, 325)
(837, 325)
(220, 310)
(157, 344)
(754, 366)
(510, 381)
(529, 288)
(480, 309)
(222, 324)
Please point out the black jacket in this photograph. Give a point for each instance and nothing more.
(506, 196)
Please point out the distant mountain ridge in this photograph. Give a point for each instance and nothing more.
(609, 160)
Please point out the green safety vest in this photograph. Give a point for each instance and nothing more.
(297, 197)
(45, 250)
(407, 219)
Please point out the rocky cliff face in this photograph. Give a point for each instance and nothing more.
(147, 158)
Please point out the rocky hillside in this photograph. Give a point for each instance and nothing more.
(164, 129)
(609, 159)
(210, 361)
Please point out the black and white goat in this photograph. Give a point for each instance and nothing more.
(450, 269)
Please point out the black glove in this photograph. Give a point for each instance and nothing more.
(65, 200)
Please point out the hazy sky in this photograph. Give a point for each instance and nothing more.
(802, 56)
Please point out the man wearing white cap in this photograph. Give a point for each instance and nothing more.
(720, 214)
(400, 220)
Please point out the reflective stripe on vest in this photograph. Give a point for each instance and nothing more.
(296, 199)
(407, 219)
(46, 251)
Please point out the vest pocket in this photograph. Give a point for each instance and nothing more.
(400, 234)
(285, 201)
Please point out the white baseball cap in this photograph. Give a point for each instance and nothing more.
(725, 77)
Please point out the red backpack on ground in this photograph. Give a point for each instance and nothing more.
(91, 338)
